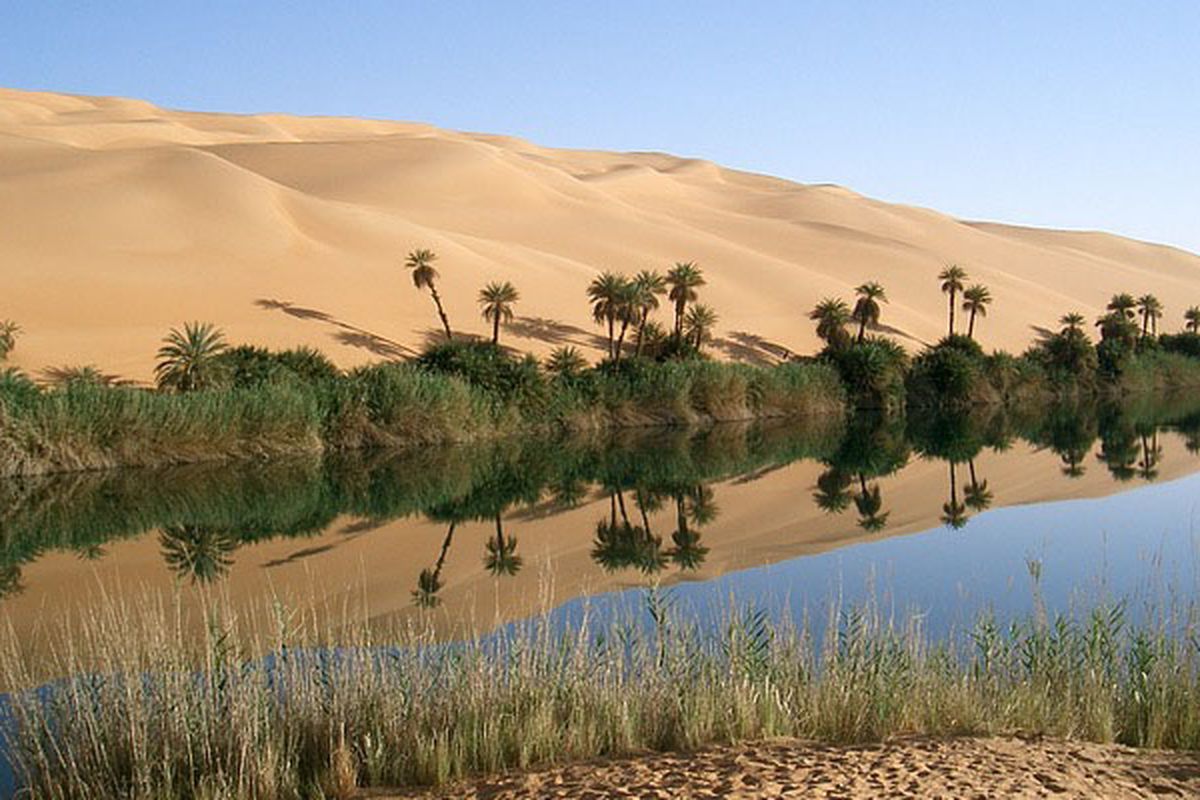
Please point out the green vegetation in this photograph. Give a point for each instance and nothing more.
(9, 331)
(245, 710)
(188, 359)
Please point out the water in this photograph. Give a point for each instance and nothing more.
(940, 516)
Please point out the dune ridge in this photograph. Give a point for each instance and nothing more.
(122, 219)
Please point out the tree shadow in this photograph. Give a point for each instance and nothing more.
(349, 335)
(891, 331)
(554, 332)
(1044, 334)
(89, 373)
(753, 349)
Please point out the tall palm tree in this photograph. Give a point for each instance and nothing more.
(1151, 310)
(187, 359)
(627, 313)
(425, 276)
(648, 285)
(976, 299)
(699, 324)
(1123, 304)
(683, 278)
(429, 582)
(866, 309)
(1192, 317)
(607, 294)
(832, 315)
(952, 278)
(496, 303)
(501, 554)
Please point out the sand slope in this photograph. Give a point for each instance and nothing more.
(121, 219)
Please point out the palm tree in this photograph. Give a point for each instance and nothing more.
(429, 582)
(866, 310)
(200, 552)
(501, 557)
(952, 278)
(832, 315)
(607, 294)
(496, 304)
(187, 360)
(1122, 304)
(976, 299)
(1116, 326)
(699, 324)
(648, 285)
(8, 337)
(566, 361)
(425, 277)
(683, 278)
(1192, 317)
(1151, 310)
(1072, 323)
(627, 313)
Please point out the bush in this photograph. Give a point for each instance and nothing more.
(248, 366)
(1185, 344)
(872, 371)
(951, 373)
(488, 367)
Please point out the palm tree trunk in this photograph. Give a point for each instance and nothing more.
(496, 329)
(951, 312)
(620, 341)
(437, 301)
(680, 305)
(641, 504)
(641, 333)
(499, 534)
(611, 322)
(971, 326)
(862, 328)
(953, 486)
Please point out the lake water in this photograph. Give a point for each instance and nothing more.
(940, 516)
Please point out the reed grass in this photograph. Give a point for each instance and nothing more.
(84, 425)
(156, 712)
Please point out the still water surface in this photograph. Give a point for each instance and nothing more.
(940, 516)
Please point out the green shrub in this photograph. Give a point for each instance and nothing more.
(951, 373)
(873, 372)
(1186, 344)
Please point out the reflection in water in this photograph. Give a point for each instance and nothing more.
(655, 489)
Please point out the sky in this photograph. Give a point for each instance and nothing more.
(1062, 114)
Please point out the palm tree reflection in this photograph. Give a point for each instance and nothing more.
(429, 582)
(202, 553)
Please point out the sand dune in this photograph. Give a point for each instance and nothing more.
(122, 219)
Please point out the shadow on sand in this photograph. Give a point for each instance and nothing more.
(349, 335)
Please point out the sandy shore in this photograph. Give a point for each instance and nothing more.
(917, 768)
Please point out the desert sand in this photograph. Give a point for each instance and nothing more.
(122, 219)
(956, 768)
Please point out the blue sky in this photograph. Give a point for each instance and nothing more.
(1067, 114)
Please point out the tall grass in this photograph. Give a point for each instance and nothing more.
(153, 712)
(85, 425)
(88, 426)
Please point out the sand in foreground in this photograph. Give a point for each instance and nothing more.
(925, 768)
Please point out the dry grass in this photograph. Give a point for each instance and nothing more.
(155, 712)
